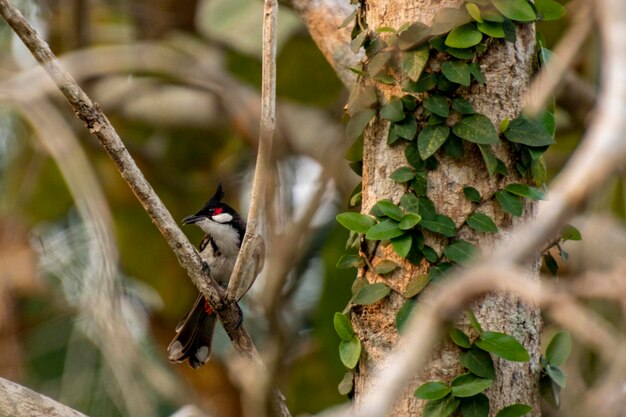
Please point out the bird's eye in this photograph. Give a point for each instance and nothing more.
(218, 211)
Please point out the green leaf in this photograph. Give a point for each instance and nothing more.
(528, 132)
(415, 285)
(515, 410)
(346, 385)
(357, 42)
(343, 326)
(350, 352)
(427, 209)
(556, 374)
(385, 230)
(460, 53)
(441, 408)
(460, 339)
(503, 345)
(462, 105)
(474, 11)
(491, 162)
(472, 194)
(518, 10)
(460, 251)
(524, 190)
(410, 203)
(551, 263)
(453, 147)
(491, 29)
(469, 384)
(475, 406)
(402, 244)
(437, 104)
(569, 232)
(433, 390)
(414, 35)
(439, 271)
(474, 321)
(510, 202)
(392, 110)
(464, 36)
(439, 224)
(477, 73)
(478, 362)
(385, 266)
(402, 174)
(413, 62)
(407, 128)
(476, 128)
(549, 9)
(430, 140)
(409, 221)
(358, 122)
(559, 348)
(371, 293)
(430, 254)
(361, 96)
(448, 18)
(378, 63)
(550, 390)
(492, 15)
(387, 208)
(350, 261)
(482, 223)
(355, 222)
(404, 313)
(457, 72)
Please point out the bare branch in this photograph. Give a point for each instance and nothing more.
(19, 401)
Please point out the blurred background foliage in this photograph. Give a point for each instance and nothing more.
(189, 123)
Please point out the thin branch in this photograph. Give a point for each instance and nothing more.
(100, 126)
(19, 401)
(238, 277)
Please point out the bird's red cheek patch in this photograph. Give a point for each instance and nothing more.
(208, 308)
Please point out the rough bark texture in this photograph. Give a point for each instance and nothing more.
(507, 68)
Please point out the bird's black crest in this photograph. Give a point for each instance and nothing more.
(217, 197)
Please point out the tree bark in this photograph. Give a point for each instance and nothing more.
(508, 69)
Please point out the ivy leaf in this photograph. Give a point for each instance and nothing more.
(457, 72)
(475, 406)
(460, 251)
(427, 209)
(474, 11)
(474, 321)
(402, 175)
(441, 408)
(415, 285)
(404, 313)
(433, 390)
(491, 29)
(549, 9)
(559, 348)
(482, 223)
(371, 293)
(478, 362)
(402, 244)
(477, 73)
(343, 326)
(387, 208)
(462, 105)
(550, 390)
(528, 132)
(551, 263)
(407, 128)
(356, 222)
(409, 221)
(569, 232)
(439, 271)
(468, 384)
(413, 62)
(392, 110)
(358, 122)
(472, 194)
(460, 53)
(385, 266)
(378, 63)
(430, 140)
(410, 203)
(346, 385)
(437, 104)
(464, 36)
(556, 375)
(524, 190)
(491, 162)
(448, 18)
(515, 410)
(414, 35)
(510, 203)
(476, 128)
(439, 224)
(350, 261)
(385, 230)
(430, 254)
(503, 345)
(361, 97)
(518, 10)
(460, 339)
(350, 352)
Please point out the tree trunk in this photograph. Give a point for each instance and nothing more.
(508, 68)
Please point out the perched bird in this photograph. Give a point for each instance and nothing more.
(219, 248)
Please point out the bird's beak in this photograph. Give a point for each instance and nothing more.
(194, 218)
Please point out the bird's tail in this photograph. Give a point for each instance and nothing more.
(193, 336)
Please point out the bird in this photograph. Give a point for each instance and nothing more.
(224, 230)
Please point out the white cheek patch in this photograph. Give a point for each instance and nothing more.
(222, 218)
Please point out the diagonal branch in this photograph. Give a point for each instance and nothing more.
(108, 138)
(19, 401)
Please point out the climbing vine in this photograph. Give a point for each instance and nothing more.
(435, 67)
